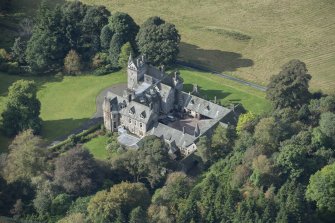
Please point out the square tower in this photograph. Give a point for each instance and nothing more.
(135, 71)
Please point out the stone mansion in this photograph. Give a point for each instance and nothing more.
(154, 103)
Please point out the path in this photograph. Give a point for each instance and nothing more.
(118, 89)
(97, 117)
(217, 73)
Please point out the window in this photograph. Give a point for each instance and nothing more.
(129, 120)
(114, 125)
(141, 124)
(135, 123)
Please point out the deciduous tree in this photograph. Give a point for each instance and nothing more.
(290, 87)
(120, 200)
(321, 188)
(72, 64)
(22, 109)
(159, 41)
(77, 172)
(26, 158)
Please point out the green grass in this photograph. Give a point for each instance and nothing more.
(65, 102)
(69, 101)
(227, 91)
(97, 147)
(250, 39)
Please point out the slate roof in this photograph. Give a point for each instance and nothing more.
(137, 111)
(181, 139)
(171, 134)
(165, 91)
(202, 106)
(133, 109)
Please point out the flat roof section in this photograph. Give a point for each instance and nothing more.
(128, 140)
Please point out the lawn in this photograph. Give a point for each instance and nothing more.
(227, 91)
(69, 101)
(97, 147)
(250, 39)
(66, 102)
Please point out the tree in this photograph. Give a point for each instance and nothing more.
(47, 46)
(166, 202)
(290, 87)
(262, 171)
(77, 172)
(268, 132)
(80, 205)
(204, 149)
(327, 104)
(60, 204)
(72, 64)
(26, 158)
(292, 160)
(126, 50)
(148, 162)
(115, 49)
(107, 206)
(138, 215)
(73, 218)
(321, 188)
(96, 17)
(18, 51)
(5, 5)
(45, 192)
(244, 121)
(3, 56)
(122, 24)
(22, 108)
(105, 37)
(159, 41)
(222, 141)
(327, 124)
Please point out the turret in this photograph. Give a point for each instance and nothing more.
(135, 71)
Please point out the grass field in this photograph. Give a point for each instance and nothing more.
(250, 39)
(66, 102)
(227, 91)
(69, 101)
(97, 147)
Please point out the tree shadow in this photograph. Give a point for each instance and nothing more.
(59, 130)
(207, 94)
(215, 59)
(6, 80)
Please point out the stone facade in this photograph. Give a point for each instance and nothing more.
(154, 104)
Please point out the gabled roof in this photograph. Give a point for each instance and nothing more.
(131, 109)
(173, 135)
(202, 106)
(136, 110)
(165, 91)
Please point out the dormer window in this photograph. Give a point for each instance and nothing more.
(132, 110)
(207, 107)
(192, 102)
(143, 115)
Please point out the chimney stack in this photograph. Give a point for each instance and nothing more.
(197, 130)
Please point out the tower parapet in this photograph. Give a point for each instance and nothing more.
(136, 70)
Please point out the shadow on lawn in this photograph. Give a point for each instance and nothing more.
(59, 130)
(215, 59)
(207, 94)
(8, 79)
